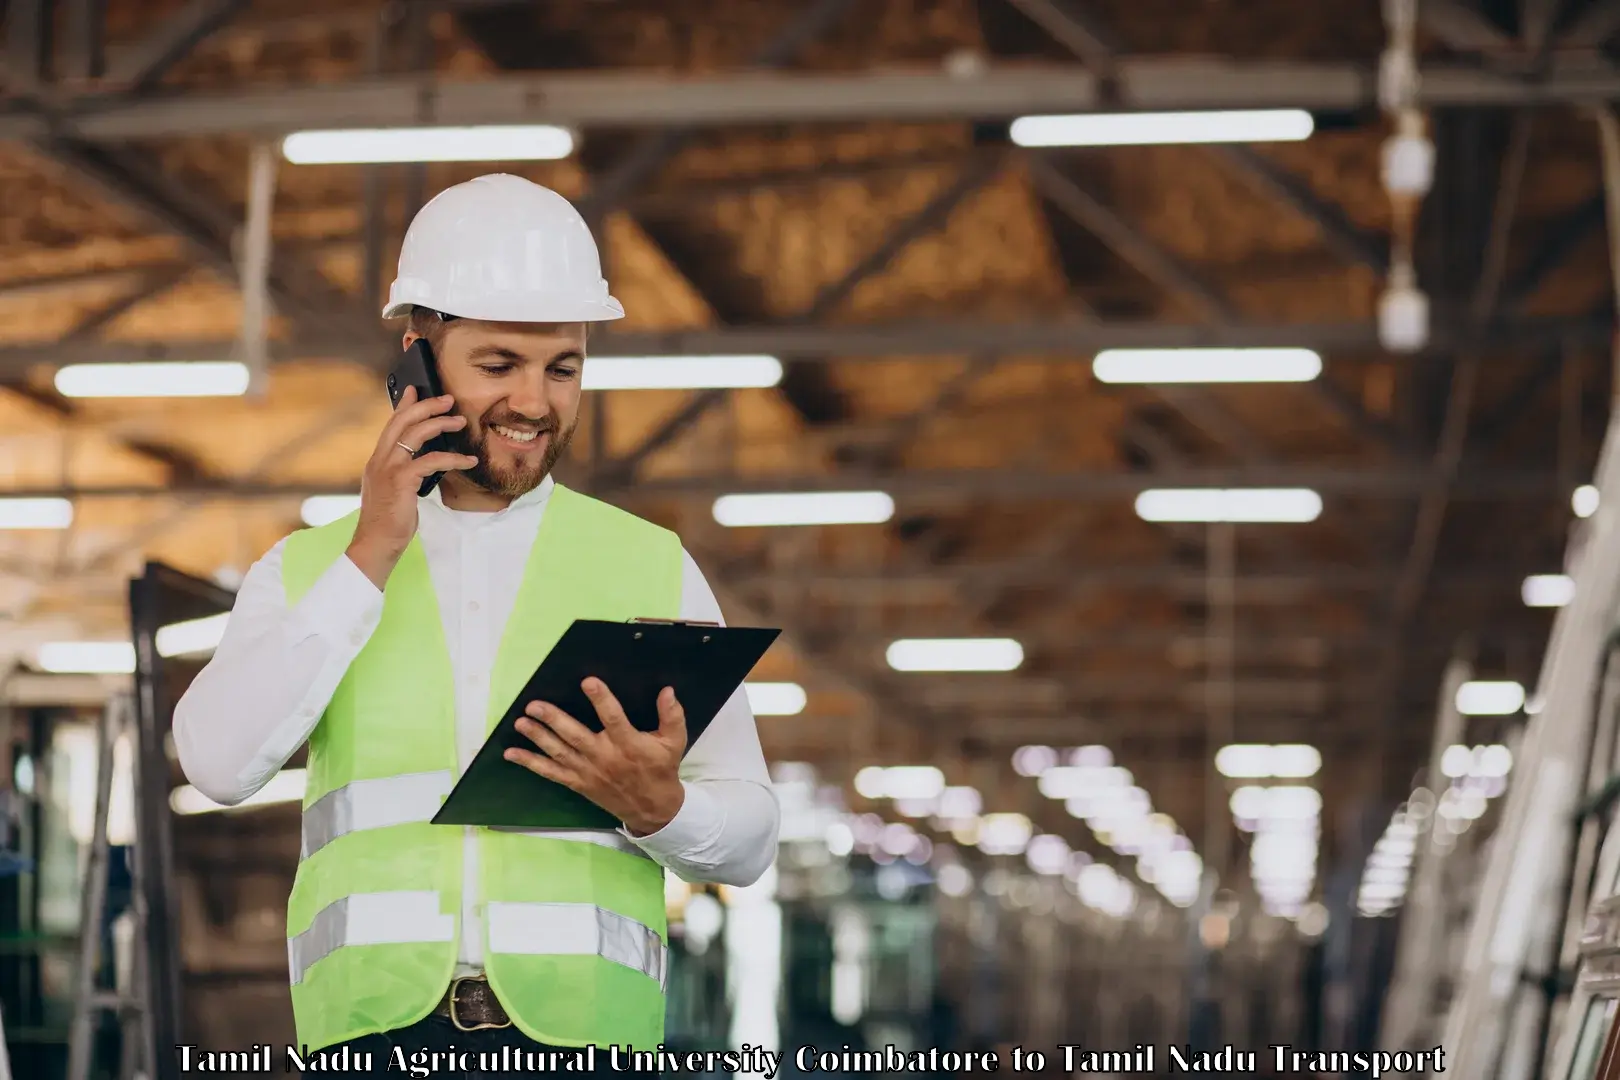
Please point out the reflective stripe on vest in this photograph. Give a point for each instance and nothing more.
(556, 929)
(411, 799)
(600, 837)
(383, 918)
(373, 804)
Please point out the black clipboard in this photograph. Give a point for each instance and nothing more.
(704, 663)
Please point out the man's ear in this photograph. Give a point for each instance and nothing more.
(410, 337)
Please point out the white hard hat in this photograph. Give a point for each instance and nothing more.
(502, 249)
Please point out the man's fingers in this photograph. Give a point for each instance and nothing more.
(408, 415)
(547, 740)
(417, 435)
(440, 461)
(541, 765)
(608, 709)
(671, 716)
(565, 727)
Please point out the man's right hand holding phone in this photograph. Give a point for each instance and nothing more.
(388, 488)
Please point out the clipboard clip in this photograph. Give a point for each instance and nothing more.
(675, 622)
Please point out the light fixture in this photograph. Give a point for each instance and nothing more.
(157, 379)
(804, 508)
(1489, 698)
(1288, 761)
(1147, 129)
(191, 637)
(681, 372)
(376, 146)
(1584, 501)
(1206, 365)
(35, 513)
(286, 786)
(1547, 590)
(321, 510)
(775, 698)
(899, 782)
(87, 657)
(1033, 760)
(1229, 505)
(955, 654)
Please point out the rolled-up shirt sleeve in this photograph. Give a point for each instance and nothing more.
(271, 677)
(727, 827)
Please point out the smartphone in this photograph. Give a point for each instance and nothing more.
(417, 367)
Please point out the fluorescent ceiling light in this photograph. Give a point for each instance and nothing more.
(321, 510)
(539, 142)
(775, 698)
(189, 638)
(899, 782)
(1547, 590)
(955, 654)
(87, 657)
(35, 513)
(1232, 505)
(1206, 365)
(1584, 501)
(153, 380)
(805, 508)
(1292, 761)
(1490, 698)
(286, 786)
(681, 372)
(1146, 129)
(192, 636)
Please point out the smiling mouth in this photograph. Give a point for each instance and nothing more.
(514, 435)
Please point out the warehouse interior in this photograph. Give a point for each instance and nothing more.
(1199, 635)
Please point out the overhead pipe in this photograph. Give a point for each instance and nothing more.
(1408, 173)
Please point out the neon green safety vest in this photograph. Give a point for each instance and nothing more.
(575, 935)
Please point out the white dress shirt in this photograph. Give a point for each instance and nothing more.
(277, 667)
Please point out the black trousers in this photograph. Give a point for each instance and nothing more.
(434, 1048)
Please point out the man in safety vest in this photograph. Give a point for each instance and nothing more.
(392, 639)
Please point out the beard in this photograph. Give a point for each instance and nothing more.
(507, 481)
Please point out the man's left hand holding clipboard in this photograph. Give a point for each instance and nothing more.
(632, 774)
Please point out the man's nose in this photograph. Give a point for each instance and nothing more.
(528, 397)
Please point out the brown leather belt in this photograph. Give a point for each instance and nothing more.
(471, 1005)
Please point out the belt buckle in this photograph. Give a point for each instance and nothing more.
(455, 984)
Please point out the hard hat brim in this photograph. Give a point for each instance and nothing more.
(509, 311)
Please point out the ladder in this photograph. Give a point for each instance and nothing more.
(1493, 1026)
(90, 1000)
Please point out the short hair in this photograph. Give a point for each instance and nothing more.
(427, 323)
(430, 324)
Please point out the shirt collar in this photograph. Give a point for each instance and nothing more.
(535, 498)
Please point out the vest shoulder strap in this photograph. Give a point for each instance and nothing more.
(309, 552)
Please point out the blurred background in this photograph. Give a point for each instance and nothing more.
(1171, 434)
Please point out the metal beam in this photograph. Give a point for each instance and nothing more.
(144, 64)
(147, 286)
(931, 216)
(920, 485)
(1076, 30)
(1593, 27)
(82, 56)
(1283, 583)
(644, 159)
(638, 99)
(1464, 28)
(1124, 239)
(1059, 340)
(27, 34)
(1349, 240)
